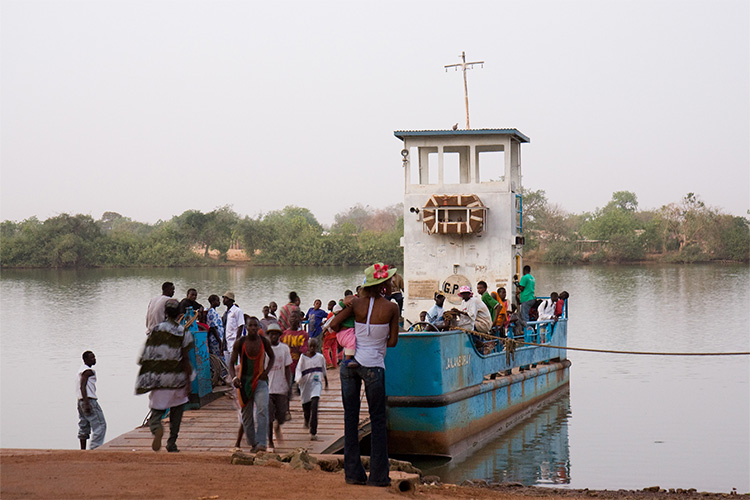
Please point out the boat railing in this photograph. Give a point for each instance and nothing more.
(535, 332)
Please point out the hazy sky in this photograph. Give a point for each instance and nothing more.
(150, 108)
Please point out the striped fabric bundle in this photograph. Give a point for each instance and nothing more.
(161, 361)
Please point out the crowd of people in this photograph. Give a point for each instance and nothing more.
(490, 312)
(287, 352)
(267, 361)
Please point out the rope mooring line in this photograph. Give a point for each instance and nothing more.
(641, 353)
(606, 351)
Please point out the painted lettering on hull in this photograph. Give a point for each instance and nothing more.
(456, 361)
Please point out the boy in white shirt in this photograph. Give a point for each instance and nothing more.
(90, 414)
(310, 369)
(279, 380)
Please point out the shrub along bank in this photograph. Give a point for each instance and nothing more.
(291, 236)
(688, 231)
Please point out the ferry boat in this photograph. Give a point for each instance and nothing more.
(463, 222)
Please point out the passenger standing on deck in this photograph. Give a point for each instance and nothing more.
(285, 313)
(501, 320)
(488, 299)
(396, 291)
(155, 313)
(527, 296)
(547, 308)
(90, 415)
(279, 382)
(267, 319)
(232, 326)
(296, 339)
(560, 304)
(330, 345)
(215, 327)
(255, 356)
(315, 316)
(272, 308)
(376, 328)
(190, 301)
(165, 374)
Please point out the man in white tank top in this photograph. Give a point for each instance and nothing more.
(90, 415)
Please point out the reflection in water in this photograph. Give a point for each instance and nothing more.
(536, 451)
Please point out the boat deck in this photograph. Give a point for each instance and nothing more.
(214, 426)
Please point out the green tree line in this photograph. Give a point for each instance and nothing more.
(291, 236)
(688, 231)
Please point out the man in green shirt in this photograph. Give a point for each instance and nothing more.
(528, 296)
(487, 299)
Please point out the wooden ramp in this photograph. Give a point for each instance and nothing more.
(214, 426)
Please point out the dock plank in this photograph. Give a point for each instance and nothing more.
(214, 426)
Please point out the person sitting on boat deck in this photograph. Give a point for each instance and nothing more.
(189, 301)
(315, 316)
(501, 320)
(267, 319)
(279, 381)
(488, 300)
(90, 415)
(255, 356)
(310, 370)
(560, 304)
(527, 296)
(515, 319)
(422, 324)
(155, 313)
(546, 310)
(534, 311)
(474, 313)
(272, 307)
(376, 328)
(435, 314)
(234, 323)
(165, 375)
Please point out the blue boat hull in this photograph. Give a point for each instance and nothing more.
(442, 401)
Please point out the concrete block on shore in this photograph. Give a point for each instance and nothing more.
(404, 482)
(241, 458)
(330, 463)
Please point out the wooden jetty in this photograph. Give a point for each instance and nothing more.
(214, 426)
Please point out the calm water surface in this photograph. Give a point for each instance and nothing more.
(628, 421)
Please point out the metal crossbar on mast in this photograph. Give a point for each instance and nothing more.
(464, 66)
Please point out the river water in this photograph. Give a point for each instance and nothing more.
(627, 422)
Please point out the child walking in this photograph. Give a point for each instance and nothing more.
(310, 369)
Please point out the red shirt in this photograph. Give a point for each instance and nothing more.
(559, 307)
(297, 342)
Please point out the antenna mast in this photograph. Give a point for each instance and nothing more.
(464, 66)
